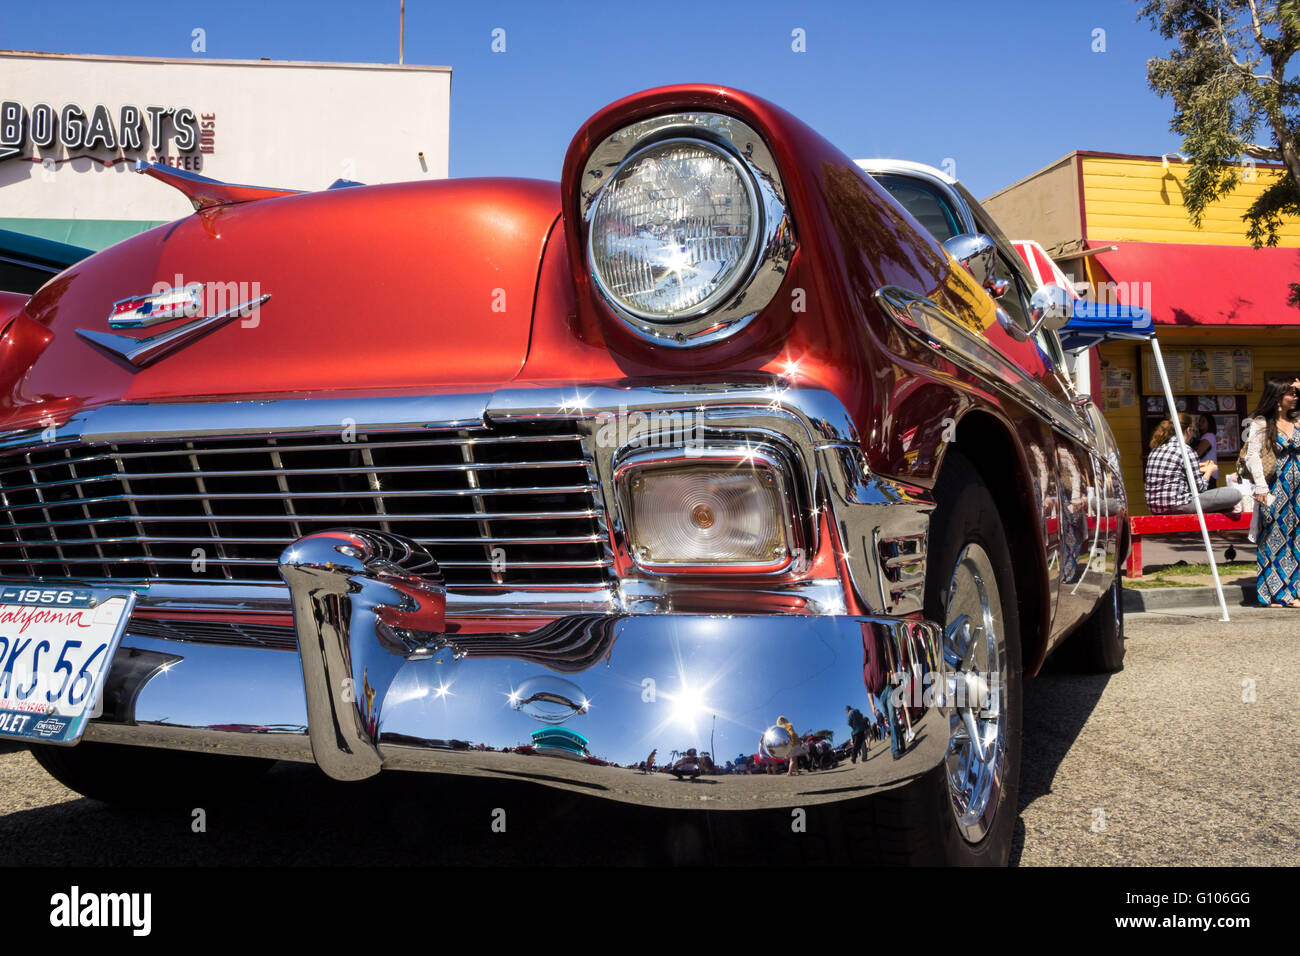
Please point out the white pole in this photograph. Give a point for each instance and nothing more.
(1191, 476)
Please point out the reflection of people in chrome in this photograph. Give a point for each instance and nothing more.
(902, 677)
(800, 748)
(650, 761)
(876, 672)
(858, 728)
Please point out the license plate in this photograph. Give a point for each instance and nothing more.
(56, 645)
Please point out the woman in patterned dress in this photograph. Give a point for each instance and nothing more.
(1278, 546)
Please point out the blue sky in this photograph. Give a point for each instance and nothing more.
(1000, 88)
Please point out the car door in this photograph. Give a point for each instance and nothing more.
(1085, 542)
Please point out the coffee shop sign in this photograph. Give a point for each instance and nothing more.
(127, 129)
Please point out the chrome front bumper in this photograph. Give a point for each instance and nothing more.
(631, 685)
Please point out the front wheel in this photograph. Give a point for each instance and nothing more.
(971, 592)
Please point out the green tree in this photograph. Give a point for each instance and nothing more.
(1235, 93)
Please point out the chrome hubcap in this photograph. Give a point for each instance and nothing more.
(975, 665)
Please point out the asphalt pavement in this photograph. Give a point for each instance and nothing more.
(1186, 757)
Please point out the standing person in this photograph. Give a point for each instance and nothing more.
(1273, 460)
(858, 727)
(877, 673)
(1167, 490)
(800, 748)
(1207, 447)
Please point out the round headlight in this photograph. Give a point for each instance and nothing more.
(675, 230)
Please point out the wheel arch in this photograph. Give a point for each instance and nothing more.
(988, 442)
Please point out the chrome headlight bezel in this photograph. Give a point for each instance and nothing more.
(728, 310)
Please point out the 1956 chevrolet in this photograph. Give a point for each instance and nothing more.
(460, 476)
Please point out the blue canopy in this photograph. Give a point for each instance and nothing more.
(1093, 322)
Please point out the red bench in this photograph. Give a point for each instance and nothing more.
(1177, 524)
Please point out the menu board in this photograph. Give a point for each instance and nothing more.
(1200, 371)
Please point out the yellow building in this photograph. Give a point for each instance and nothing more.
(1117, 222)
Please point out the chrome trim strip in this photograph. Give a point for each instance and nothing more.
(305, 416)
(35, 265)
(817, 410)
(937, 329)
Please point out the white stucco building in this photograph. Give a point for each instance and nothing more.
(72, 127)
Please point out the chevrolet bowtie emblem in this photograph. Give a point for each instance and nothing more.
(142, 311)
(146, 310)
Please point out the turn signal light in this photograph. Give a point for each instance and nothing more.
(722, 510)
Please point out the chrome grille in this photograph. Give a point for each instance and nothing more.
(509, 507)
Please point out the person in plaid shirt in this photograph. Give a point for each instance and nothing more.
(1166, 480)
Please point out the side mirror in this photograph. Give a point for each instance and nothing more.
(1051, 307)
(977, 254)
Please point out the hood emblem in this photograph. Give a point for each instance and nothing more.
(146, 310)
(142, 311)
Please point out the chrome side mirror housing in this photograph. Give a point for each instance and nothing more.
(1051, 307)
(977, 254)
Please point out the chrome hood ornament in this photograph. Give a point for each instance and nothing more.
(138, 312)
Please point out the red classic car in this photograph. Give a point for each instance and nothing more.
(712, 431)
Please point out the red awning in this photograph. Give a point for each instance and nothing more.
(1186, 284)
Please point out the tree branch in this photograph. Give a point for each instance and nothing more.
(1256, 151)
(1254, 19)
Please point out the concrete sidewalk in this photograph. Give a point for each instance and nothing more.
(1236, 596)
(1163, 550)
(1158, 550)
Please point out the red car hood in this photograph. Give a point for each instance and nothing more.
(415, 286)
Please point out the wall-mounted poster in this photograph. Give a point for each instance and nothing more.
(1243, 369)
(1118, 390)
(1229, 434)
(1198, 372)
